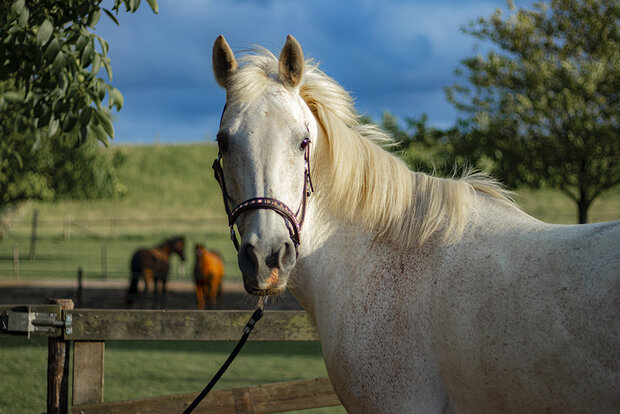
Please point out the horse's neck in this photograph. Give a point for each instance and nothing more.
(335, 253)
(164, 250)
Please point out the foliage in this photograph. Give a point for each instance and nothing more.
(52, 101)
(543, 103)
(423, 147)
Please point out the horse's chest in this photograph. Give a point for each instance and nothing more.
(374, 345)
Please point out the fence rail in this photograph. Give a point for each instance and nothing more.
(88, 329)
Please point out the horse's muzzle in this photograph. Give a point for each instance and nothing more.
(265, 269)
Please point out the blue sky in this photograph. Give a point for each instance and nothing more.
(391, 55)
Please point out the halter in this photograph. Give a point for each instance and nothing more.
(294, 220)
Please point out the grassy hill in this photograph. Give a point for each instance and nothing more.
(170, 191)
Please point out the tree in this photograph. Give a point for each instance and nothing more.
(424, 148)
(53, 108)
(543, 103)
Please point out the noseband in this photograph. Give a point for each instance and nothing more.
(294, 220)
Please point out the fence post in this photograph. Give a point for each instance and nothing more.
(88, 372)
(58, 354)
(80, 275)
(15, 262)
(33, 234)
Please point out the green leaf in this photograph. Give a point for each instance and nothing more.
(133, 5)
(87, 55)
(23, 17)
(82, 41)
(96, 64)
(69, 123)
(104, 45)
(53, 127)
(59, 63)
(45, 31)
(98, 132)
(108, 67)
(86, 117)
(18, 6)
(13, 96)
(94, 18)
(52, 49)
(154, 5)
(106, 123)
(111, 16)
(115, 98)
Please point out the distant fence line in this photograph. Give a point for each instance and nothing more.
(110, 228)
(100, 253)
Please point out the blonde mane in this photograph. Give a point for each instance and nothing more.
(355, 178)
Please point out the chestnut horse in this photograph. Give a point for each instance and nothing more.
(208, 275)
(152, 265)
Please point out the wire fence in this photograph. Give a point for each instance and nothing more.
(102, 248)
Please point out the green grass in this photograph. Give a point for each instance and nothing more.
(23, 375)
(148, 369)
(553, 206)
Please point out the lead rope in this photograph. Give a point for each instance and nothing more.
(258, 313)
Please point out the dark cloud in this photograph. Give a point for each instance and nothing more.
(392, 55)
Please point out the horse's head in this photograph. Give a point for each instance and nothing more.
(264, 139)
(177, 245)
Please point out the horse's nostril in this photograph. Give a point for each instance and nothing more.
(248, 260)
(250, 251)
(286, 255)
(273, 261)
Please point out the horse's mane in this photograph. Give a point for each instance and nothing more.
(356, 178)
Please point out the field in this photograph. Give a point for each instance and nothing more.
(170, 191)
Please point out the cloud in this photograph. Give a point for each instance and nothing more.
(392, 55)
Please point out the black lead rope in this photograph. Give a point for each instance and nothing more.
(258, 313)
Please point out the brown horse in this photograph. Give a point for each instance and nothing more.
(208, 274)
(152, 266)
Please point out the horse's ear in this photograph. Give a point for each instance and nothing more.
(291, 62)
(224, 62)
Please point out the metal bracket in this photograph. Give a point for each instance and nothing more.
(22, 320)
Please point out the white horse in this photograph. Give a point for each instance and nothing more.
(430, 295)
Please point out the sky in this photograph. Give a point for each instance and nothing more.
(391, 55)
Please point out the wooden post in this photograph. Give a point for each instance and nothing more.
(15, 262)
(58, 354)
(80, 275)
(33, 234)
(88, 371)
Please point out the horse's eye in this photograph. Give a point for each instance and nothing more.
(305, 143)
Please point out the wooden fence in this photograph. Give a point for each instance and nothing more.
(88, 329)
